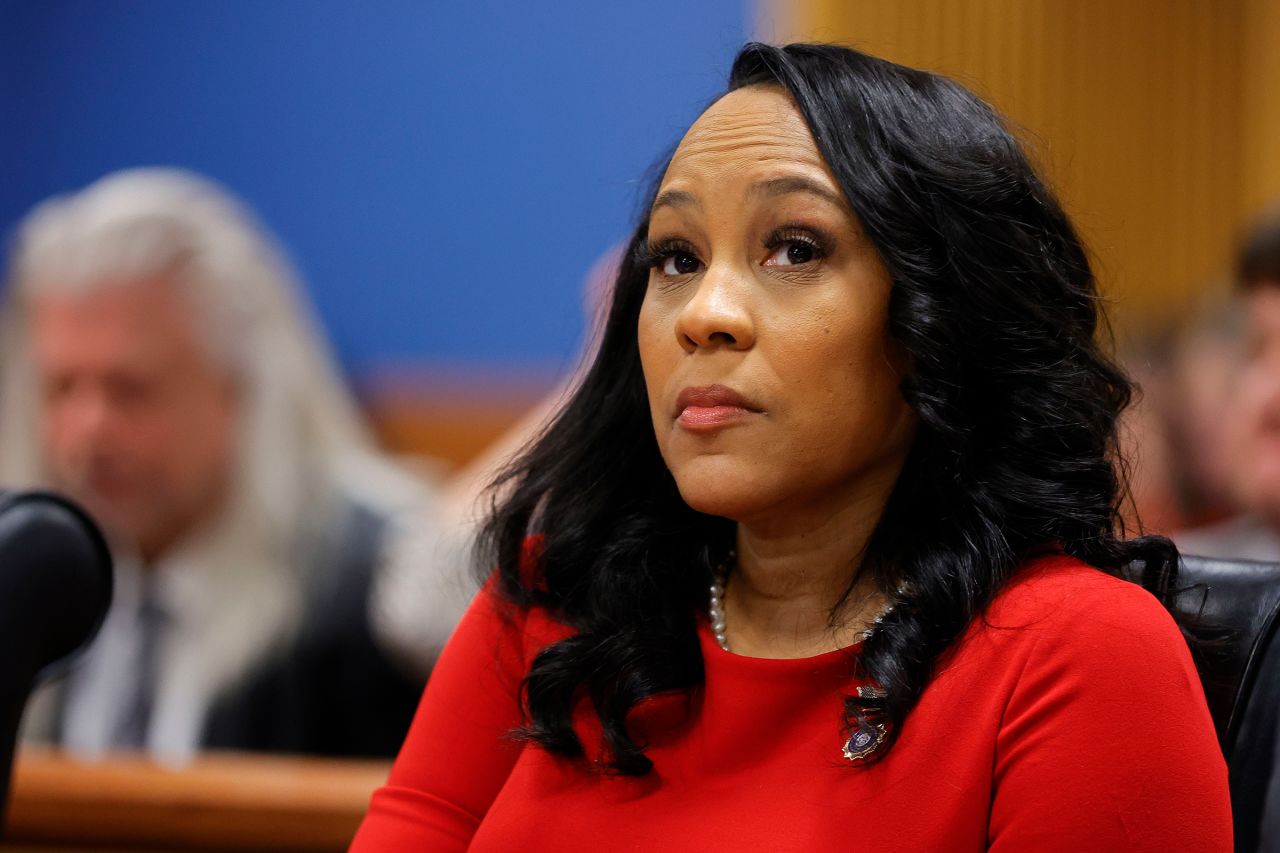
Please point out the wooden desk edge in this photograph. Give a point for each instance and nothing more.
(219, 801)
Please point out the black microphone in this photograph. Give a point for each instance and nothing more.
(55, 588)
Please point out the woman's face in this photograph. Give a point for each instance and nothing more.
(772, 379)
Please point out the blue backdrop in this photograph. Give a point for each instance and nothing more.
(443, 173)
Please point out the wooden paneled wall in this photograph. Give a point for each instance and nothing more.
(1157, 120)
(1260, 103)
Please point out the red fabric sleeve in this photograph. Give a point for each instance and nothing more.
(1106, 742)
(457, 755)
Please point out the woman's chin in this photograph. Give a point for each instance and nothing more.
(733, 499)
(731, 485)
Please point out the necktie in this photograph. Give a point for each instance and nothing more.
(137, 717)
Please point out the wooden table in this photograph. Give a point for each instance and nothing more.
(222, 801)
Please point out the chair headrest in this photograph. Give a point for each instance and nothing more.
(1231, 607)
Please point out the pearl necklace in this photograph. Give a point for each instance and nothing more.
(715, 611)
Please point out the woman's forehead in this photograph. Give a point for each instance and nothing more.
(753, 130)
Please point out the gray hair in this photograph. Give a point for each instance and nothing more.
(298, 421)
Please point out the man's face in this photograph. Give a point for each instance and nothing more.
(136, 421)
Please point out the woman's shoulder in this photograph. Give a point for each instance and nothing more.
(1060, 587)
(1060, 605)
(1099, 723)
(521, 629)
(1065, 635)
(531, 624)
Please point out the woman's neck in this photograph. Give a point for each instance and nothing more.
(791, 573)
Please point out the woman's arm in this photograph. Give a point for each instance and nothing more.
(1106, 742)
(457, 754)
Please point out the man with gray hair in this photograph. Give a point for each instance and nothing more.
(159, 366)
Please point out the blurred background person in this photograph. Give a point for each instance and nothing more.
(1247, 448)
(160, 366)
(1176, 434)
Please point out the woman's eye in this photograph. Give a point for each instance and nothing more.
(680, 263)
(792, 253)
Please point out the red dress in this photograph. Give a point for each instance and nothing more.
(1070, 718)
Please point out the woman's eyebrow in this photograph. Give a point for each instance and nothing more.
(795, 184)
(674, 198)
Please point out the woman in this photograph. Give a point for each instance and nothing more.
(850, 384)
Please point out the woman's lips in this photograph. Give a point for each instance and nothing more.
(710, 407)
(707, 417)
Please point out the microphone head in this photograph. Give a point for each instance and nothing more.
(55, 582)
(55, 588)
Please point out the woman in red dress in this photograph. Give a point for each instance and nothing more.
(823, 552)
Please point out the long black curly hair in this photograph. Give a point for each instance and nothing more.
(994, 300)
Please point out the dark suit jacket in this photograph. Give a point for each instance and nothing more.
(333, 691)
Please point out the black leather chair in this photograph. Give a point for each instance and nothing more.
(55, 587)
(1231, 607)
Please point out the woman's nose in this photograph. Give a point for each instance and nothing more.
(718, 314)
